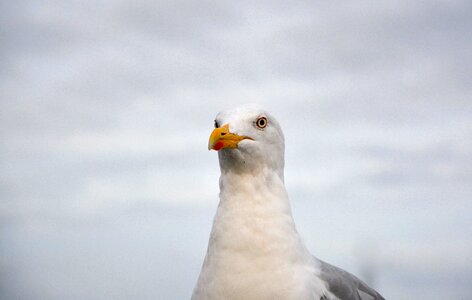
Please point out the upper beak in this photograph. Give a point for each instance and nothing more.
(222, 138)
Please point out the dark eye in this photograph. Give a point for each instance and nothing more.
(261, 122)
(216, 124)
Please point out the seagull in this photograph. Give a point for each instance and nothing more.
(255, 251)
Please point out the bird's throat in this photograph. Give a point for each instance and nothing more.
(255, 216)
(253, 239)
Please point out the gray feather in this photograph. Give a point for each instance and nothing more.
(346, 286)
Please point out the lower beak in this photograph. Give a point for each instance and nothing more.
(222, 138)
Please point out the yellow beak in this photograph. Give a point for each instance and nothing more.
(222, 138)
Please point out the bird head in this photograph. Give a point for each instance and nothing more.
(248, 139)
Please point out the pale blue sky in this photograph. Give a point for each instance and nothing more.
(107, 189)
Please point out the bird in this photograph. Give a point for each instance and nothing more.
(254, 251)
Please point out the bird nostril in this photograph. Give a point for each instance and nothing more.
(223, 133)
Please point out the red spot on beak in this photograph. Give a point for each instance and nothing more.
(218, 145)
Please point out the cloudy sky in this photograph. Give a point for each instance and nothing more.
(107, 189)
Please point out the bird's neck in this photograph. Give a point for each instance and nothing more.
(255, 251)
(254, 216)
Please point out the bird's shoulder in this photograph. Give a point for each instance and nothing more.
(346, 286)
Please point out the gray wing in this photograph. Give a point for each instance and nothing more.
(346, 286)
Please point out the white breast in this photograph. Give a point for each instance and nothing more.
(255, 251)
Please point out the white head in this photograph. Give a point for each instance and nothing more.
(248, 139)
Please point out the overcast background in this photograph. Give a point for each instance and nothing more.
(108, 190)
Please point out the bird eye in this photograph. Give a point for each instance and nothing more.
(261, 122)
(216, 124)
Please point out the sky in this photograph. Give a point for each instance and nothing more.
(108, 191)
